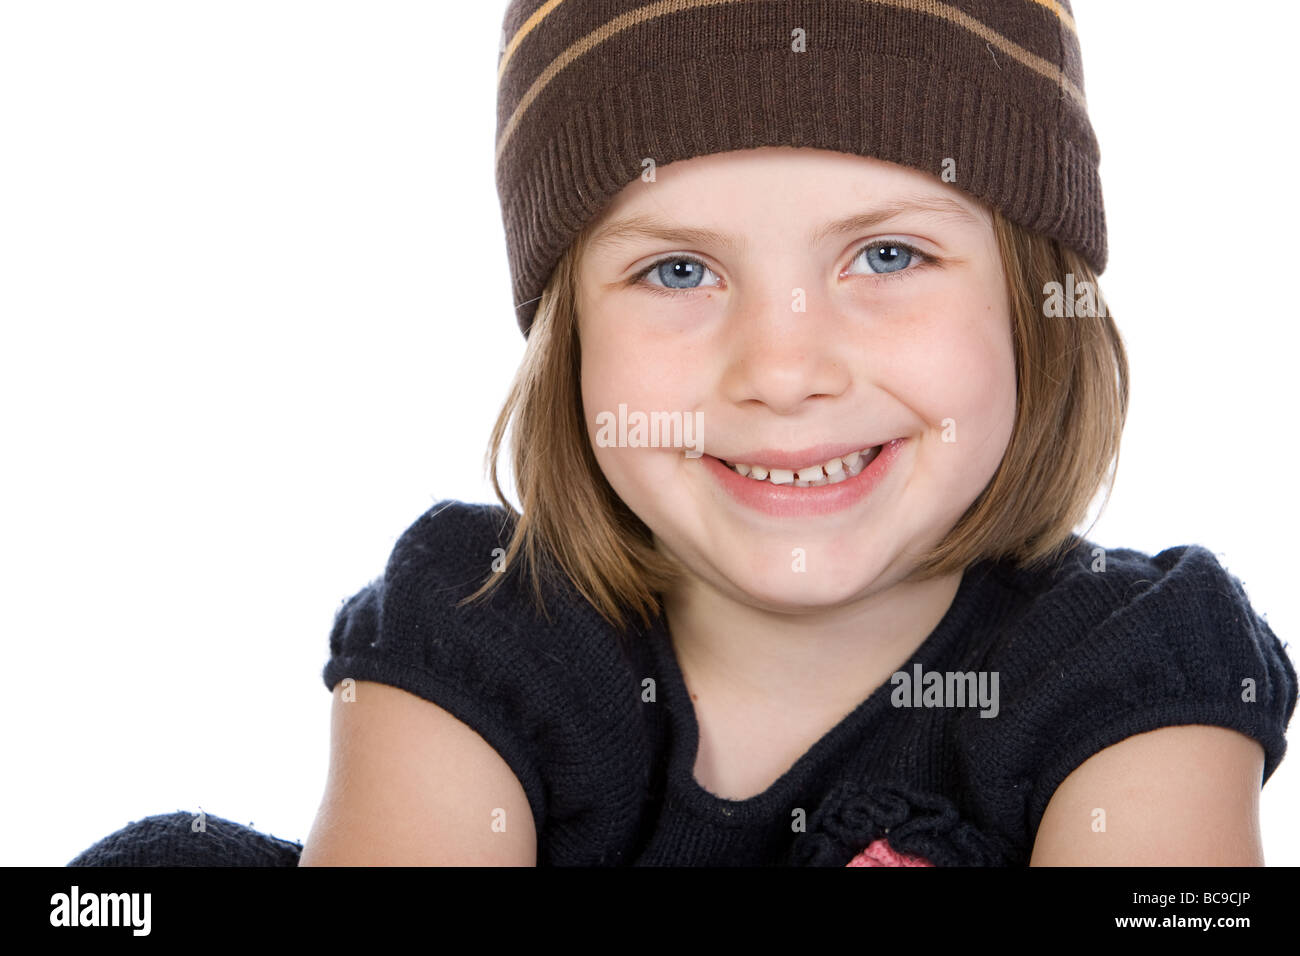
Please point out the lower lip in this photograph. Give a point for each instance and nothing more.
(787, 501)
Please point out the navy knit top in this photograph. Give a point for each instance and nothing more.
(1085, 657)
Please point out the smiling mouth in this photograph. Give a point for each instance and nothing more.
(827, 473)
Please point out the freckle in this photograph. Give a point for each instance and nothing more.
(695, 696)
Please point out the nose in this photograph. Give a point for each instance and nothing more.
(783, 357)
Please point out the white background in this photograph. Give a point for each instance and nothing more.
(257, 318)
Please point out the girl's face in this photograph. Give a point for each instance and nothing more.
(746, 302)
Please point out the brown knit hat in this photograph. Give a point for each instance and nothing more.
(990, 91)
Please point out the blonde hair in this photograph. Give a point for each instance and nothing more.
(1072, 395)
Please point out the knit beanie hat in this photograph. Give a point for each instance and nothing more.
(985, 94)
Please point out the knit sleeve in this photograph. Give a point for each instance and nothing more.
(1105, 654)
(550, 693)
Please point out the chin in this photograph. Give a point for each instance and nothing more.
(829, 578)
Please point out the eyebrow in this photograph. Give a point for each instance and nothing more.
(636, 227)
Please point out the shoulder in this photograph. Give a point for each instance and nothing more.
(453, 541)
(438, 555)
(1108, 643)
(1183, 589)
(552, 691)
(1117, 626)
(419, 608)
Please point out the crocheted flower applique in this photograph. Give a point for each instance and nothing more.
(861, 824)
(880, 853)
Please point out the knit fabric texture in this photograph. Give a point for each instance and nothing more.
(1085, 658)
(174, 839)
(985, 94)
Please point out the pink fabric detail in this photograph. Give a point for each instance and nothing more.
(880, 853)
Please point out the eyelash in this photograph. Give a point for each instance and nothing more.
(924, 260)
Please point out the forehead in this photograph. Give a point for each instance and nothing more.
(716, 199)
(785, 184)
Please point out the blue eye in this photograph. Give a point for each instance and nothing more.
(888, 256)
(677, 273)
(887, 259)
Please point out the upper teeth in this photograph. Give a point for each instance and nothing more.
(828, 473)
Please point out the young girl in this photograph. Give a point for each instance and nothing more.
(818, 384)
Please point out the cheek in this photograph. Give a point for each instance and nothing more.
(643, 374)
(627, 358)
(960, 362)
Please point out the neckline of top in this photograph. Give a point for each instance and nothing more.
(760, 807)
